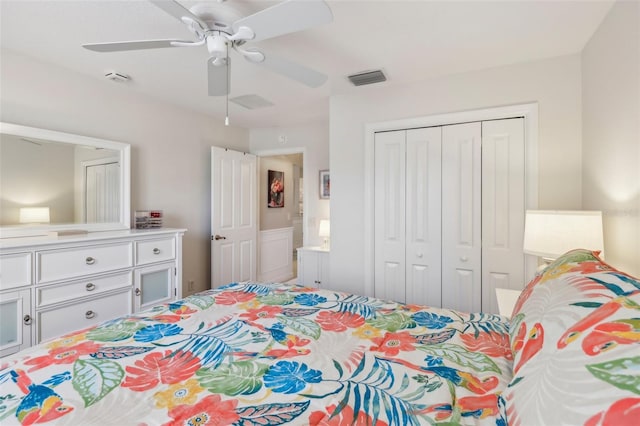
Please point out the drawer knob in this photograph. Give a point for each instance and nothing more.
(27, 319)
(89, 314)
(90, 286)
(138, 292)
(90, 260)
(156, 251)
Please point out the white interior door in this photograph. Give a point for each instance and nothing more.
(423, 216)
(503, 205)
(233, 216)
(461, 217)
(390, 167)
(102, 191)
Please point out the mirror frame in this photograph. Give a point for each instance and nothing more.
(124, 150)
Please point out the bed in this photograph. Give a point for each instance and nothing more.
(269, 354)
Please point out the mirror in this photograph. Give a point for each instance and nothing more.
(54, 181)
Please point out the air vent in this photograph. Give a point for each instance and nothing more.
(368, 77)
(251, 101)
(116, 76)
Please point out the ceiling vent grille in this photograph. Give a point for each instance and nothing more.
(251, 101)
(368, 77)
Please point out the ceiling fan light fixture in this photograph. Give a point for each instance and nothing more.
(367, 77)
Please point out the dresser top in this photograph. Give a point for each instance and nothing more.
(45, 240)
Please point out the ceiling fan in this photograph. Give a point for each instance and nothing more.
(210, 27)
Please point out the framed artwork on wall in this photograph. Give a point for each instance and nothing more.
(275, 189)
(325, 184)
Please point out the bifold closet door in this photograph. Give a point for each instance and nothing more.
(461, 217)
(503, 206)
(390, 210)
(423, 217)
(408, 215)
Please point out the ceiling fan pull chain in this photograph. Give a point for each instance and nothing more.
(226, 118)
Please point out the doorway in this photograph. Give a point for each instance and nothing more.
(280, 224)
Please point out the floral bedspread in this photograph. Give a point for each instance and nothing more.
(267, 354)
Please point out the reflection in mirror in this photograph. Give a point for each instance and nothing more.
(52, 180)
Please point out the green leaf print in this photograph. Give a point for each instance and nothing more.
(202, 302)
(94, 379)
(302, 325)
(114, 332)
(623, 373)
(276, 299)
(392, 322)
(239, 378)
(461, 356)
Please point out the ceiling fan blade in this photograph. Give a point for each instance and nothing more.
(132, 45)
(286, 17)
(178, 11)
(217, 77)
(300, 73)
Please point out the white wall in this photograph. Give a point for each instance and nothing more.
(313, 139)
(170, 146)
(611, 129)
(553, 83)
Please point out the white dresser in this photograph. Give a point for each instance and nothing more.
(313, 267)
(50, 286)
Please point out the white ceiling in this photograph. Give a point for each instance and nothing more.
(409, 40)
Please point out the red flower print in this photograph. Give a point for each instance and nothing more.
(262, 312)
(392, 343)
(625, 411)
(166, 318)
(63, 355)
(155, 368)
(345, 417)
(339, 321)
(233, 297)
(492, 344)
(210, 411)
(590, 267)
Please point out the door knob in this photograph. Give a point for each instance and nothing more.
(464, 258)
(219, 237)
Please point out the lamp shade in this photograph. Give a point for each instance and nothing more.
(325, 228)
(34, 215)
(550, 233)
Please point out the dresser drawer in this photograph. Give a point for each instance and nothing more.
(56, 322)
(51, 294)
(15, 270)
(152, 251)
(70, 263)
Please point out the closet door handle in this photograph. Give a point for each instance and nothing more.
(464, 258)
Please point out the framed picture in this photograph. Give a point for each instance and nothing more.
(325, 184)
(275, 189)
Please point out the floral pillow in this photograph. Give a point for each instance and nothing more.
(575, 337)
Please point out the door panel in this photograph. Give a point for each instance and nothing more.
(390, 165)
(503, 207)
(423, 216)
(461, 220)
(233, 216)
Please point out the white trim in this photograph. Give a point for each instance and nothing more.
(530, 113)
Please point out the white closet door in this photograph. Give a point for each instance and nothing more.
(461, 217)
(502, 208)
(389, 258)
(102, 189)
(423, 216)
